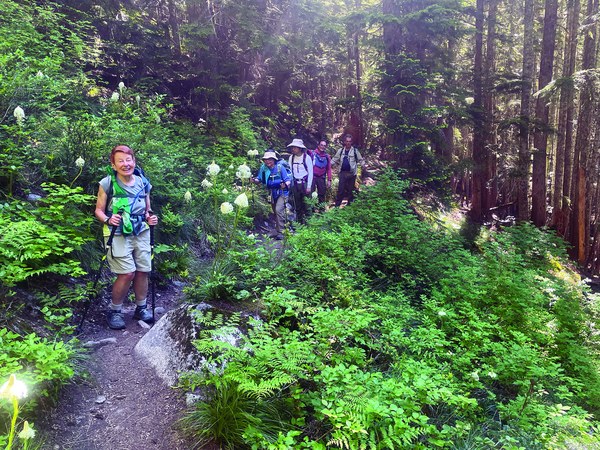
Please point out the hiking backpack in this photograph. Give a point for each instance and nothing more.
(320, 161)
(138, 171)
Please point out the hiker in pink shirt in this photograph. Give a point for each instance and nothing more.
(321, 171)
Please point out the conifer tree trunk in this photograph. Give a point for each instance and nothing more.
(479, 148)
(354, 87)
(527, 77)
(579, 220)
(542, 113)
(491, 184)
(174, 28)
(566, 114)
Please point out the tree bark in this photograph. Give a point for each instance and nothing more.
(579, 227)
(479, 146)
(524, 151)
(564, 138)
(490, 195)
(542, 113)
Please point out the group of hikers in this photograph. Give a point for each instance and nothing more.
(123, 206)
(307, 171)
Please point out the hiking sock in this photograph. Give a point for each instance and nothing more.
(114, 307)
(141, 303)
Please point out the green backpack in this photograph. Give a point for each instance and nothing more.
(121, 200)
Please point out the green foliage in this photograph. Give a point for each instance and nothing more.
(228, 414)
(43, 237)
(57, 309)
(390, 335)
(44, 365)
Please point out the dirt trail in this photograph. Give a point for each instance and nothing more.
(122, 405)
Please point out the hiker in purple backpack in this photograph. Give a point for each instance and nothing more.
(301, 165)
(321, 171)
(349, 158)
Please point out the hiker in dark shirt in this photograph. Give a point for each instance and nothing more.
(124, 202)
(349, 159)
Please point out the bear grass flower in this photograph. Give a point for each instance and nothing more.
(121, 86)
(243, 172)
(252, 153)
(206, 184)
(226, 208)
(13, 389)
(213, 169)
(80, 162)
(241, 200)
(115, 97)
(187, 197)
(19, 114)
(225, 191)
(27, 432)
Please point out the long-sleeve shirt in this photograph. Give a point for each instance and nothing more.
(272, 178)
(302, 168)
(354, 158)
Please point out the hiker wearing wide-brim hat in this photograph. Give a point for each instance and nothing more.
(276, 177)
(301, 165)
(124, 203)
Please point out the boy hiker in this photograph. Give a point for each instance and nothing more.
(301, 165)
(124, 202)
(321, 171)
(349, 159)
(274, 175)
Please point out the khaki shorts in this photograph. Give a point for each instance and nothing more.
(130, 253)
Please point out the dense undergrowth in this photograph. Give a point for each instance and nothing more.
(380, 331)
(56, 132)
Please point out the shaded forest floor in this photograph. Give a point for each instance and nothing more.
(121, 404)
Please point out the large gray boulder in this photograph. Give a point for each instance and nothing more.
(168, 346)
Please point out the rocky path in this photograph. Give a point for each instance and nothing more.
(121, 404)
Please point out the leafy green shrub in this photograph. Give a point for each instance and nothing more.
(44, 365)
(382, 333)
(41, 238)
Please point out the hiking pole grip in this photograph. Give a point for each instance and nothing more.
(113, 231)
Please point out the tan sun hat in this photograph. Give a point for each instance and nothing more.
(270, 155)
(297, 143)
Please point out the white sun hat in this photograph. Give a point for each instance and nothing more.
(270, 155)
(297, 143)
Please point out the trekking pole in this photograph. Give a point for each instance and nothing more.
(152, 277)
(98, 274)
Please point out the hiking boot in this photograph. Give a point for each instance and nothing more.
(142, 313)
(115, 319)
